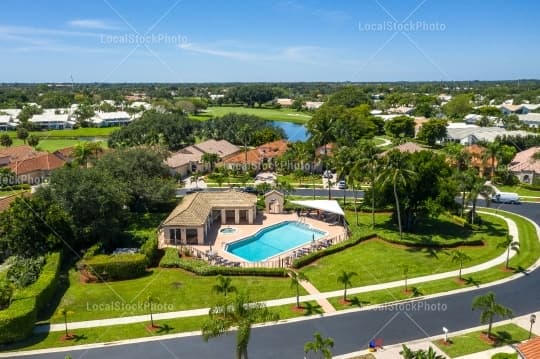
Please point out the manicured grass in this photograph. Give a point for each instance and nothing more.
(282, 114)
(80, 132)
(53, 144)
(529, 253)
(519, 190)
(377, 261)
(139, 330)
(472, 342)
(306, 181)
(175, 289)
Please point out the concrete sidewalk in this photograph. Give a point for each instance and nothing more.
(321, 298)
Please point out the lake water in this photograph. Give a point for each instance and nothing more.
(295, 132)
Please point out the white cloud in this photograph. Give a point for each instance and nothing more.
(93, 24)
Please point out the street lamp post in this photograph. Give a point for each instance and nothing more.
(532, 320)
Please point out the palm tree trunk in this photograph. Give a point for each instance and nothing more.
(345, 293)
(473, 210)
(462, 203)
(489, 327)
(398, 211)
(65, 323)
(373, 199)
(507, 257)
(297, 295)
(355, 204)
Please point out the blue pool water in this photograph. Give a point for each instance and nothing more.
(273, 240)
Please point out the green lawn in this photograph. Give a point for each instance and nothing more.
(53, 144)
(519, 190)
(472, 342)
(377, 261)
(282, 114)
(175, 290)
(80, 132)
(529, 253)
(139, 330)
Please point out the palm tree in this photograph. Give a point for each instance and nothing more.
(240, 313)
(511, 245)
(397, 172)
(407, 353)
(245, 134)
(329, 183)
(459, 256)
(368, 162)
(211, 159)
(492, 152)
(320, 344)
(345, 279)
(296, 278)
(489, 307)
(64, 312)
(150, 301)
(86, 153)
(223, 286)
(405, 271)
(478, 188)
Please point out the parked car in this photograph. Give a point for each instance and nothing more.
(342, 185)
(194, 189)
(328, 174)
(250, 190)
(505, 197)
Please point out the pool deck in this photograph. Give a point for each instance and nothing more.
(217, 240)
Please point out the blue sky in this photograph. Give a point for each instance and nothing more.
(266, 40)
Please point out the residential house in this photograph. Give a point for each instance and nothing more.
(313, 105)
(258, 158)
(5, 202)
(470, 134)
(191, 221)
(8, 123)
(189, 159)
(17, 153)
(525, 165)
(530, 119)
(110, 119)
(285, 102)
(65, 154)
(479, 161)
(35, 170)
(407, 147)
(509, 109)
(51, 120)
(401, 110)
(140, 105)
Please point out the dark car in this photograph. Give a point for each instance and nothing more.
(193, 190)
(250, 190)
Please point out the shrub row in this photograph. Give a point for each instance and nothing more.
(17, 321)
(150, 249)
(529, 187)
(203, 268)
(115, 266)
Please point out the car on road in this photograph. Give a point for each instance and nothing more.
(506, 197)
(194, 189)
(342, 185)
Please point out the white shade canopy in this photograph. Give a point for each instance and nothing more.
(331, 206)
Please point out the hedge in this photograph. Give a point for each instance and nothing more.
(116, 266)
(203, 268)
(150, 249)
(529, 187)
(17, 321)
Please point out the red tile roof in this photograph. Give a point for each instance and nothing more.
(530, 349)
(257, 155)
(6, 201)
(45, 162)
(19, 153)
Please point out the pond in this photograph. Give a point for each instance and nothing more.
(294, 131)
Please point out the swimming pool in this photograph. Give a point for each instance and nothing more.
(273, 240)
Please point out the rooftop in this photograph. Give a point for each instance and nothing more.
(525, 161)
(195, 208)
(44, 162)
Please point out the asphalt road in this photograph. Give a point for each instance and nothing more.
(352, 331)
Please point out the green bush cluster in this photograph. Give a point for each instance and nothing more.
(531, 187)
(116, 266)
(17, 321)
(203, 268)
(150, 249)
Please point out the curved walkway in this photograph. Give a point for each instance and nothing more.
(315, 295)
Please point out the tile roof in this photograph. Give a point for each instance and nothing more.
(257, 155)
(525, 161)
(195, 208)
(45, 162)
(6, 201)
(194, 153)
(409, 147)
(530, 349)
(18, 153)
(222, 148)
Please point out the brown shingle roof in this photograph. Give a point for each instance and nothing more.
(530, 349)
(196, 207)
(45, 162)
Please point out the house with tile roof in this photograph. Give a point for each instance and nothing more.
(263, 156)
(189, 159)
(526, 165)
(191, 221)
(530, 349)
(17, 153)
(35, 170)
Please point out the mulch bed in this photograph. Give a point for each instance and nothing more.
(507, 270)
(296, 309)
(442, 342)
(152, 328)
(66, 337)
(460, 281)
(487, 339)
(344, 301)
